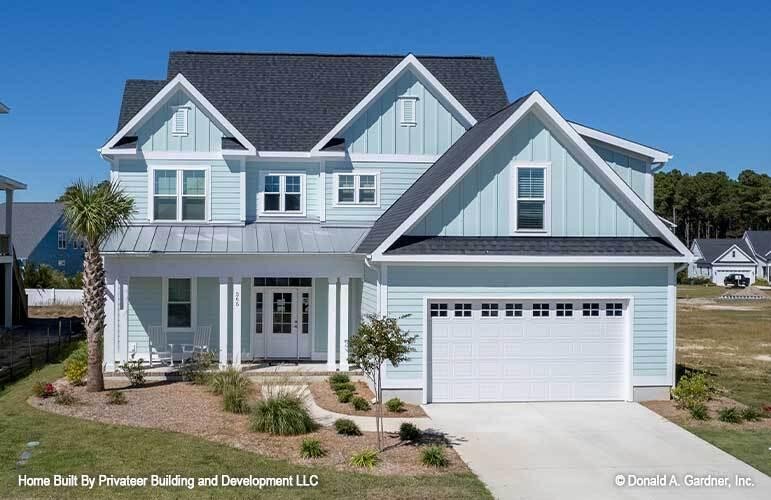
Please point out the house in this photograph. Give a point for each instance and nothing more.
(759, 243)
(717, 258)
(41, 237)
(14, 300)
(280, 198)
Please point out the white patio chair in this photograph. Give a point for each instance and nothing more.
(201, 342)
(160, 347)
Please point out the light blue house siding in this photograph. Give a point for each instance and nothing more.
(254, 178)
(481, 203)
(408, 285)
(378, 130)
(369, 292)
(156, 133)
(631, 169)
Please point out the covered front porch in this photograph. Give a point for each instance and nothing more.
(254, 309)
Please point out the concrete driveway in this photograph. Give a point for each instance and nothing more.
(577, 450)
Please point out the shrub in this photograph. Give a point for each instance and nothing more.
(395, 405)
(731, 415)
(434, 456)
(116, 398)
(699, 411)
(283, 415)
(408, 432)
(751, 414)
(761, 282)
(345, 396)
(234, 399)
(365, 459)
(347, 427)
(197, 370)
(360, 404)
(345, 386)
(691, 389)
(311, 448)
(64, 397)
(339, 378)
(43, 389)
(134, 371)
(76, 364)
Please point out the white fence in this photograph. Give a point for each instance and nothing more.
(53, 296)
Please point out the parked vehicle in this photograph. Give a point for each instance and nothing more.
(736, 281)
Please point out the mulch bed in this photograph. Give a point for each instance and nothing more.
(325, 398)
(191, 409)
(670, 411)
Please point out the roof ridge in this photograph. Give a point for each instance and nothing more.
(326, 54)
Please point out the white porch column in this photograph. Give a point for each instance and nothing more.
(332, 324)
(110, 330)
(123, 284)
(237, 300)
(8, 280)
(223, 323)
(344, 320)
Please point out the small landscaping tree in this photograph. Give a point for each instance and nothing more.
(379, 340)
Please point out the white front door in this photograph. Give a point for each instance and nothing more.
(282, 322)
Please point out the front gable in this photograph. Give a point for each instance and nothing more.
(734, 255)
(483, 203)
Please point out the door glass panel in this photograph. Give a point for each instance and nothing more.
(282, 313)
(258, 313)
(306, 313)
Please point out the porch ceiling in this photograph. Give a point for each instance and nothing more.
(256, 238)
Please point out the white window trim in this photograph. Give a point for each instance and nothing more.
(193, 304)
(177, 133)
(179, 169)
(356, 203)
(282, 192)
(61, 236)
(402, 119)
(546, 231)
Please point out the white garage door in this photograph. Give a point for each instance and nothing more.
(521, 350)
(720, 274)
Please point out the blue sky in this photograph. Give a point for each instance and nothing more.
(688, 77)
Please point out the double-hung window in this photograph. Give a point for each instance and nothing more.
(180, 297)
(284, 194)
(357, 189)
(179, 195)
(61, 240)
(531, 209)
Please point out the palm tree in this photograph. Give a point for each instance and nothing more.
(93, 212)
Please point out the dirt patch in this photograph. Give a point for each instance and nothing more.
(762, 357)
(58, 311)
(325, 398)
(190, 409)
(721, 307)
(682, 417)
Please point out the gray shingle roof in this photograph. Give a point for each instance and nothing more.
(288, 102)
(537, 246)
(257, 238)
(714, 248)
(31, 222)
(432, 178)
(761, 241)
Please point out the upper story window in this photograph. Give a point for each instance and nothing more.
(61, 240)
(531, 198)
(283, 194)
(179, 122)
(409, 113)
(179, 194)
(357, 189)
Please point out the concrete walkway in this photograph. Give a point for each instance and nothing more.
(580, 450)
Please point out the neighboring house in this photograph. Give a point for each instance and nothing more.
(760, 245)
(280, 198)
(42, 238)
(3, 109)
(717, 258)
(14, 303)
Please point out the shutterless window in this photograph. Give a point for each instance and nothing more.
(462, 310)
(179, 309)
(61, 240)
(514, 310)
(179, 195)
(283, 194)
(590, 309)
(356, 189)
(614, 309)
(531, 198)
(438, 310)
(564, 310)
(540, 310)
(489, 310)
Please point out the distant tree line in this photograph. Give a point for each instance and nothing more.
(712, 205)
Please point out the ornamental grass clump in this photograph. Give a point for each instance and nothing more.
(366, 459)
(283, 415)
(311, 448)
(731, 415)
(434, 456)
(116, 398)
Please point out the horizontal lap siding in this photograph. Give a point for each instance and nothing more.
(369, 292)
(131, 176)
(255, 170)
(226, 191)
(407, 286)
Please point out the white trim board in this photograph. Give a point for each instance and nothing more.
(732, 263)
(576, 145)
(408, 63)
(176, 83)
(656, 155)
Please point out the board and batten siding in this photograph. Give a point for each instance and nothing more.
(378, 130)
(481, 203)
(408, 285)
(155, 134)
(634, 171)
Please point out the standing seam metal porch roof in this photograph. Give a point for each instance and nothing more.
(257, 238)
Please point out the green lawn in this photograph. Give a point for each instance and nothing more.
(698, 291)
(73, 446)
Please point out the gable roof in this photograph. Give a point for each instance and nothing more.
(760, 241)
(31, 222)
(712, 249)
(435, 182)
(288, 102)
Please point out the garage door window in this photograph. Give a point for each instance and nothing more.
(489, 310)
(614, 309)
(565, 310)
(513, 310)
(540, 310)
(462, 310)
(438, 310)
(591, 309)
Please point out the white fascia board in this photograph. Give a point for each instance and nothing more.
(409, 62)
(733, 247)
(175, 83)
(11, 184)
(656, 155)
(525, 259)
(574, 142)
